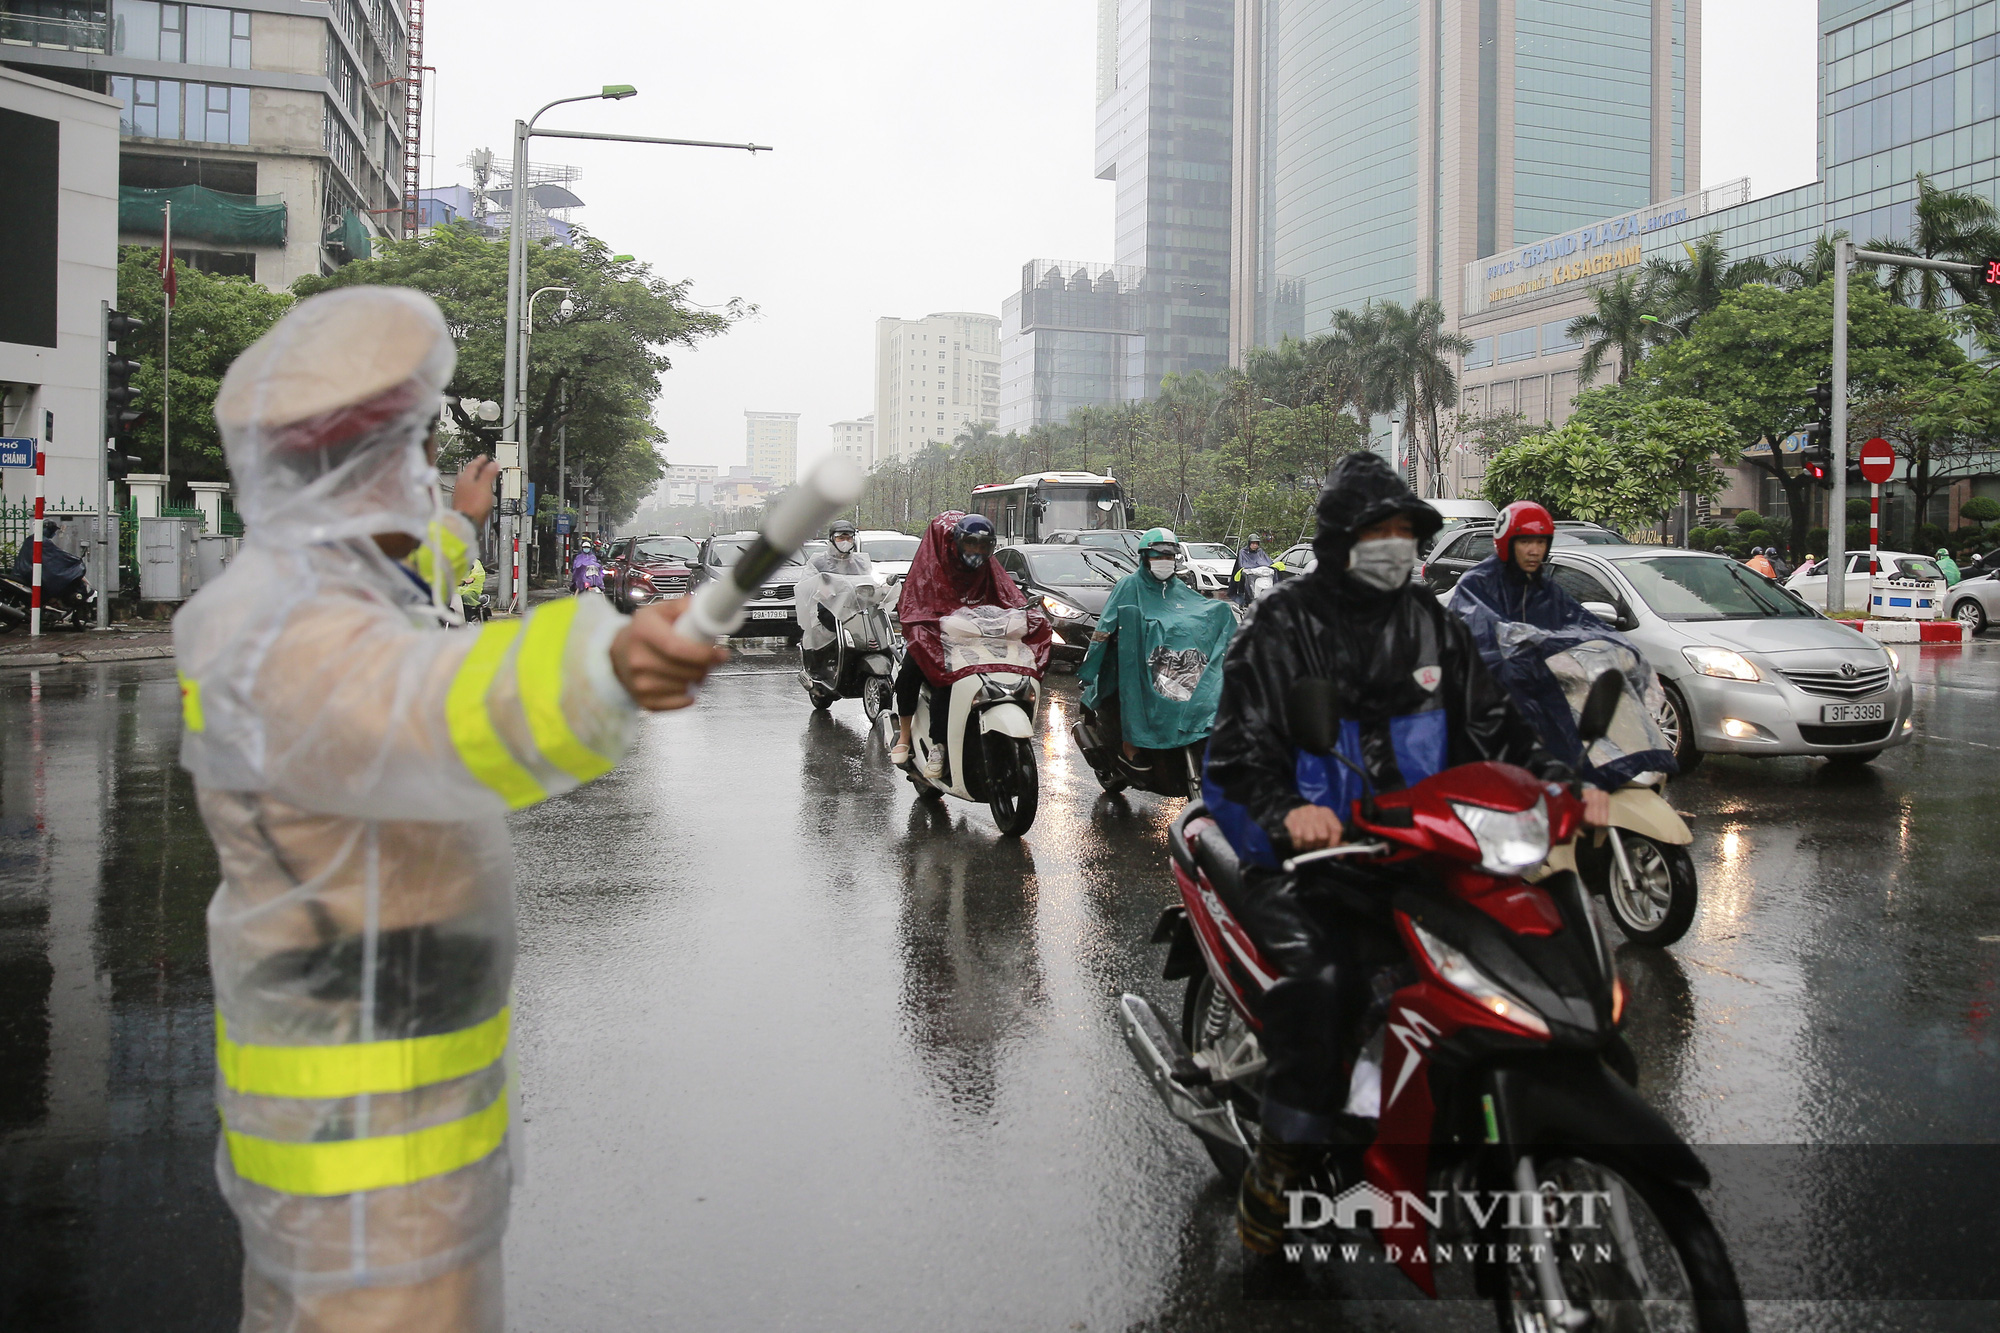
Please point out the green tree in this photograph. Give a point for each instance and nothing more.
(215, 318)
(1682, 291)
(598, 370)
(1756, 357)
(1616, 329)
(1625, 467)
(1413, 363)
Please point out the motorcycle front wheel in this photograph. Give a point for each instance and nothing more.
(1015, 784)
(878, 696)
(1653, 904)
(1642, 1257)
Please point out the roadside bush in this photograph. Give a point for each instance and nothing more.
(1750, 520)
(1857, 509)
(1816, 543)
(1929, 537)
(1980, 509)
(1857, 536)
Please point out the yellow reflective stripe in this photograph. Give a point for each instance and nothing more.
(540, 668)
(353, 1068)
(471, 723)
(191, 716)
(453, 552)
(349, 1166)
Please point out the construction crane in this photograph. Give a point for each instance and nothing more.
(413, 120)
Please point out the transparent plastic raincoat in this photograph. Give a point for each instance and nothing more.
(830, 584)
(353, 758)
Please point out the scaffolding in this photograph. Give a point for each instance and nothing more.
(413, 120)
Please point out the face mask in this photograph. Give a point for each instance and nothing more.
(1385, 563)
(842, 545)
(972, 559)
(1162, 569)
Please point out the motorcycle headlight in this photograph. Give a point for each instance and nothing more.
(1482, 990)
(1062, 610)
(867, 593)
(1510, 841)
(1723, 662)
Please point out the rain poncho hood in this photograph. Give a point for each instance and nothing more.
(1158, 650)
(1949, 566)
(1362, 491)
(1546, 650)
(324, 418)
(982, 603)
(353, 758)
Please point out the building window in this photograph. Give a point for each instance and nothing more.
(181, 34)
(1556, 339)
(171, 109)
(1516, 345)
(1480, 355)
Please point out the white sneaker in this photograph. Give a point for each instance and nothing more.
(934, 765)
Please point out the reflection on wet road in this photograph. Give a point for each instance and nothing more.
(798, 1050)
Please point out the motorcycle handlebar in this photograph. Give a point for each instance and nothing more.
(1330, 853)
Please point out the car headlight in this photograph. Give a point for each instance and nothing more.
(1062, 610)
(1510, 841)
(1895, 659)
(1483, 990)
(1723, 662)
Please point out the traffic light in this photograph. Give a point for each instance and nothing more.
(1993, 273)
(117, 463)
(118, 372)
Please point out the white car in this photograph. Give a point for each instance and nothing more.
(1209, 564)
(1893, 564)
(890, 552)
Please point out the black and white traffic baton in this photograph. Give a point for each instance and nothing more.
(834, 484)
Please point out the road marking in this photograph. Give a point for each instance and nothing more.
(1953, 740)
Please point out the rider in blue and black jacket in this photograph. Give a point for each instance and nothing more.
(1413, 699)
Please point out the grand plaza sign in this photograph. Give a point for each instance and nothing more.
(1606, 247)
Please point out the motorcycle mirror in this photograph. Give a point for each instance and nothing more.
(1599, 707)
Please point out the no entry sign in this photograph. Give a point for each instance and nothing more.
(1878, 461)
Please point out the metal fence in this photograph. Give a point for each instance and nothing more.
(17, 522)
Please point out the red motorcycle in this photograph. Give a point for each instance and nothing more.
(1506, 1134)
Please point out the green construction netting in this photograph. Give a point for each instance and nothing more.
(202, 214)
(352, 235)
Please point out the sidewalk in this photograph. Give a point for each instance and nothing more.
(127, 641)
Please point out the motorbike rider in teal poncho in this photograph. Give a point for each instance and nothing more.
(1153, 675)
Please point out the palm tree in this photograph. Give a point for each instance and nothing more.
(1953, 225)
(1685, 290)
(1816, 266)
(1414, 357)
(1616, 328)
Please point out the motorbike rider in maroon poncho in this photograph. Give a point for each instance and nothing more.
(953, 569)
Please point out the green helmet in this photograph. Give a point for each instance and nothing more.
(1159, 537)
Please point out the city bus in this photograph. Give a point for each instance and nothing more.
(1026, 509)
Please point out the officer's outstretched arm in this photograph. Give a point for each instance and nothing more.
(365, 715)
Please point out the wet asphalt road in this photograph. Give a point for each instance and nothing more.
(799, 1052)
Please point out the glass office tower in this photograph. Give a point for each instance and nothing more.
(1163, 134)
(1396, 142)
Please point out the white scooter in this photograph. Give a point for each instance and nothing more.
(857, 656)
(989, 745)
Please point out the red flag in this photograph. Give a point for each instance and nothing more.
(168, 284)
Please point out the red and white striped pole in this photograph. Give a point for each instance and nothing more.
(520, 592)
(1874, 533)
(35, 586)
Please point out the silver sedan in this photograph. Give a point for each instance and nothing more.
(1748, 667)
(1975, 601)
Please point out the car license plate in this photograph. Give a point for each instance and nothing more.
(1850, 712)
(784, 613)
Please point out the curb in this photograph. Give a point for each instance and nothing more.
(86, 656)
(1930, 632)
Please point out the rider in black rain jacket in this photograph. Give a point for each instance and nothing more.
(1414, 699)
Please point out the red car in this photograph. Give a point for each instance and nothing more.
(649, 569)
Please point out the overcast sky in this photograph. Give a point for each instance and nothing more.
(925, 151)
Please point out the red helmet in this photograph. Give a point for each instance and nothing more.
(1523, 518)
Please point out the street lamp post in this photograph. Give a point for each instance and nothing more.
(517, 281)
(521, 414)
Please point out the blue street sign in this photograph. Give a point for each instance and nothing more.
(562, 525)
(17, 453)
(530, 510)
